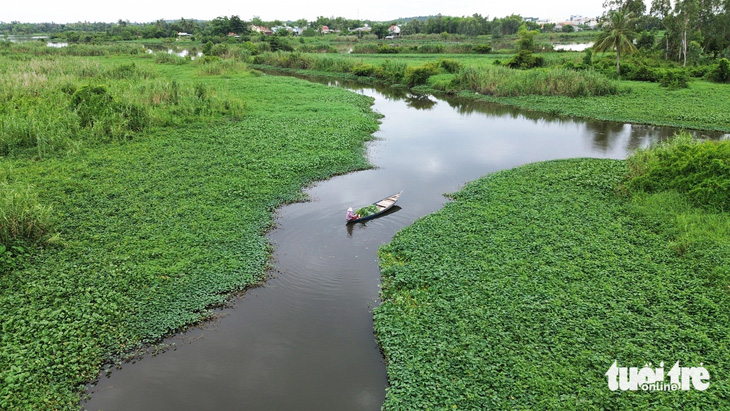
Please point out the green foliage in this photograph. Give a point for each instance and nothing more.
(60, 102)
(703, 106)
(645, 41)
(721, 72)
(431, 48)
(501, 81)
(277, 43)
(450, 65)
(91, 103)
(618, 34)
(524, 59)
(367, 210)
(694, 52)
(363, 70)
(674, 78)
(157, 229)
(482, 49)
(387, 49)
(588, 57)
(207, 48)
(700, 170)
(391, 71)
(415, 76)
(522, 292)
(526, 39)
(22, 216)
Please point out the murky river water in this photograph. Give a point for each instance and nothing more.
(304, 341)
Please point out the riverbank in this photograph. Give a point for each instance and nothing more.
(702, 106)
(151, 231)
(523, 291)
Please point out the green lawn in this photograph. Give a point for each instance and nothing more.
(522, 293)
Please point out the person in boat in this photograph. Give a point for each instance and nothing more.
(350, 214)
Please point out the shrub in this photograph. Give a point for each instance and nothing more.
(450, 65)
(363, 70)
(391, 71)
(482, 49)
(721, 72)
(645, 40)
(365, 48)
(674, 78)
(588, 57)
(432, 48)
(387, 49)
(90, 103)
(697, 169)
(416, 76)
(524, 59)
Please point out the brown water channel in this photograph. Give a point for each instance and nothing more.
(304, 341)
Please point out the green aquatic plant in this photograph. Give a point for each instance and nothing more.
(522, 292)
(367, 210)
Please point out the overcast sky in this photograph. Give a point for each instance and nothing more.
(151, 10)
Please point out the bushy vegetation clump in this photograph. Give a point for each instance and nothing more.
(501, 81)
(23, 219)
(418, 75)
(698, 169)
(721, 72)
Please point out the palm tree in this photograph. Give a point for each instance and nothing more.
(617, 34)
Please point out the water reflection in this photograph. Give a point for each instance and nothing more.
(192, 52)
(419, 101)
(573, 46)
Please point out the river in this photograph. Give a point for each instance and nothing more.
(305, 339)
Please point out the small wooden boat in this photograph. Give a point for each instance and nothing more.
(383, 205)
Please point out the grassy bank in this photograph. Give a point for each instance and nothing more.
(702, 106)
(522, 292)
(149, 231)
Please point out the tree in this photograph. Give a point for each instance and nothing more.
(627, 6)
(617, 34)
(380, 30)
(663, 10)
(236, 25)
(220, 26)
(686, 12)
(526, 40)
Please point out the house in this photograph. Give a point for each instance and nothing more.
(325, 29)
(183, 34)
(364, 29)
(394, 30)
(261, 29)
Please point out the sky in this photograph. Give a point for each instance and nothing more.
(140, 11)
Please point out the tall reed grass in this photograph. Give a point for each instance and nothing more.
(42, 112)
(22, 217)
(700, 170)
(504, 82)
